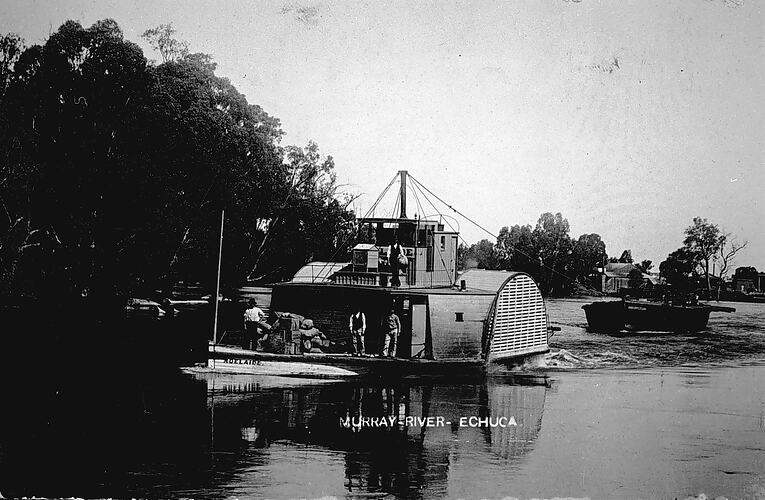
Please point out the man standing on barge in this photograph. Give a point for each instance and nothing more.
(253, 315)
(392, 326)
(357, 325)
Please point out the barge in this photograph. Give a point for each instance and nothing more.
(646, 315)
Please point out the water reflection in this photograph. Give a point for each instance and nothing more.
(607, 434)
(402, 439)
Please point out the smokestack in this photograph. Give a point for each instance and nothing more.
(402, 193)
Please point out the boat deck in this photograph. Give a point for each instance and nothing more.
(404, 289)
(235, 359)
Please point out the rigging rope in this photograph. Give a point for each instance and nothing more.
(542, 264)
(440, 255)
(447, 222)
(355, 232)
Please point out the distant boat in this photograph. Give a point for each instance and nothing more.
(646, 315)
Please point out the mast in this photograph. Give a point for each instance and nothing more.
(402, 192)
(217, 281)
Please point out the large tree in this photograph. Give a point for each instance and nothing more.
(311, 221)
(679, 269)
(68, 150)
(554, 249)
(114, 170)
(589, 252)
(711, 246)
(518, 249)
(703, 240)
(485, 255)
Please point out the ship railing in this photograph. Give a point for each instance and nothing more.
(381, 279)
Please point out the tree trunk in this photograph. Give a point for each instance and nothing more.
(706, 271)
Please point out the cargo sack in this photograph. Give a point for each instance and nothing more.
(276, 342)
(402, 260)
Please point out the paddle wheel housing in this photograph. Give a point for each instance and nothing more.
(517, 324)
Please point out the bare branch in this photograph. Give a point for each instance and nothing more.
(729, 247)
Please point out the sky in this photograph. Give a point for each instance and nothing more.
(630, 118)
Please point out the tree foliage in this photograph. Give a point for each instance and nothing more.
(679, 269)
(703, 240)
(589, 253)
(645, 266)
(114, 170)
(546, 252)
(162, 40)
(707, 253)
(554, 250)
(519, 250)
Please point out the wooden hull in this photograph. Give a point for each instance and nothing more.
(638, 315)
(659, 317)
(225, 359)
(605, 316)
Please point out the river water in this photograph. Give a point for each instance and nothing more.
(644, 416)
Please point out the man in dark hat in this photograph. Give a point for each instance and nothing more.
(394, 254)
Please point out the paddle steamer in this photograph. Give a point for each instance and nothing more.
(451, 323)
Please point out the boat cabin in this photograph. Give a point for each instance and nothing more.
(429, 247)
(431, 253)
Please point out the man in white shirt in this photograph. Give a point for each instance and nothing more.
(253, 315)
(358, 325)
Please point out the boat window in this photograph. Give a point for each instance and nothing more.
(459, 317)
(443, 243)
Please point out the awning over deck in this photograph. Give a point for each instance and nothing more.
(318, 272)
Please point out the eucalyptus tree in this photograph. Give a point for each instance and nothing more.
(710, 246)
(589, 253)
(554, 248)
(114, 169)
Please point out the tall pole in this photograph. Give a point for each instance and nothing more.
(402, 173)
(217, 282)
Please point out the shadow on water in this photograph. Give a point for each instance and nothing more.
(88, 398)
(175, 435)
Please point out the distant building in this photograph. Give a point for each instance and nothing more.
(749, 283)
(615, 276)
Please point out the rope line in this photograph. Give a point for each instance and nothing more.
(447, 222)
(542, 264)
(356, 231)
(440, 255)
